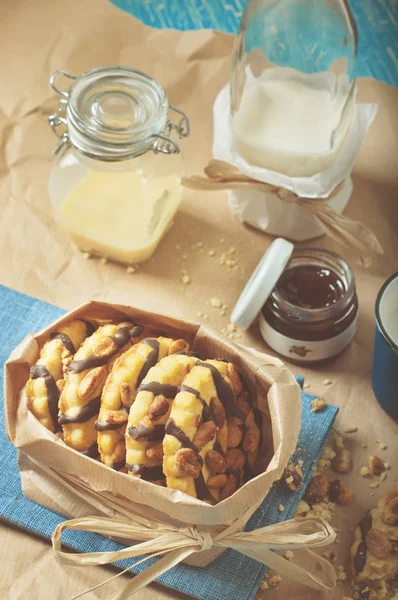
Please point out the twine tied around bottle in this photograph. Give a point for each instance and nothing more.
(221, 175)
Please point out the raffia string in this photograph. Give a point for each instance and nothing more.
(161, 538)
(174, 544)
(179, 543)
(346, 231)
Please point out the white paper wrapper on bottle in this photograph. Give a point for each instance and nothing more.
(266, 211)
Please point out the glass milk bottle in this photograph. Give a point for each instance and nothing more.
(293, 83)
(115, 185)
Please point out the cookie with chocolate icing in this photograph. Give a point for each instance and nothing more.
(47, 375)
(374, 553)
(79, 403)
(206, 434)
(120, 391)
(149, 414)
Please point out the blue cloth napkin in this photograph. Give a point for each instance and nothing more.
(232, 575)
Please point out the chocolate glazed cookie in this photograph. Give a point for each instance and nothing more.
(374, 553)
(149, 414)
(120, 391)
(47, 375)
(84, 379)
(203, 445)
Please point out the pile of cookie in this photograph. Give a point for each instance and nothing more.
(147, 406)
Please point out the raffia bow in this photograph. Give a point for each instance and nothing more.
(179, 543)
(345, 231)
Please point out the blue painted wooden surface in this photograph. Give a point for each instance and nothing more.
(377, 22)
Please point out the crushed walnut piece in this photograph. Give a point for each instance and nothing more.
(293, 477)
(264, 585)
(185, 279)
(327, 382)
(318, 404)
(342, 462)
(281, 508)
(374, 484)
(131, 269)
(339, 492)
(211, 252)
(376, 465)
(317, 489)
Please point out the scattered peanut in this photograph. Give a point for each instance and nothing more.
(364, 472)
(318, 404)
(376, 465)
(378, 543)
(342, 461)
(317, 489)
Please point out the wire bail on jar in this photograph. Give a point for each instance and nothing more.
(161, 142)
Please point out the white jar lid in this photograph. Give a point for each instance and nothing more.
(262, 282)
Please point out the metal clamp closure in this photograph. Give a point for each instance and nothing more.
(164, 143)
(54, 77)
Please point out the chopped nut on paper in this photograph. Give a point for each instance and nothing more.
(216, 302)
(341, 573)
(231, 331)
(293, 477)
(376, 465)
(364, 472)
(342, 462)
(318, 404)
(339, 492)
(351, 429)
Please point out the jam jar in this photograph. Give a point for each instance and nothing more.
(306, 301)
(116, 181)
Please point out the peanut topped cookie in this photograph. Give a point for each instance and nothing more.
(47, 375)
(149, 414)
(211, 433)
(374, 553)
(79, 403)
(120, 391)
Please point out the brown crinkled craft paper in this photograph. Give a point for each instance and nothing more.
(129, 509)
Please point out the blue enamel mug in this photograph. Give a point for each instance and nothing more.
(385, 357)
